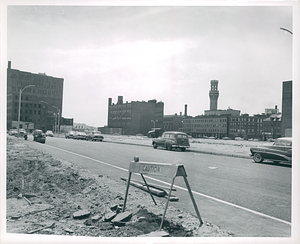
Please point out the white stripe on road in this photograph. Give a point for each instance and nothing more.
(179, 187)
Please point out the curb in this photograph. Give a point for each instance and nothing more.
(188, 150)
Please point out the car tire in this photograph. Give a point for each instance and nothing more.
(154, 145)
(258, 158)
(182, 149)
(169, 147)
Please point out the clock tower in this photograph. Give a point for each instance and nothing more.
(214, 95)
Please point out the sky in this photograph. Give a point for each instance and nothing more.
(167, 53)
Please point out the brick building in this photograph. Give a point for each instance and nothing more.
(41, 100)
(134, 117)
(207, 126)
(287, 108)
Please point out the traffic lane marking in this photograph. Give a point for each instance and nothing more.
(182, 188)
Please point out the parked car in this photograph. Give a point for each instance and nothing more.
(13, 132)
(172, 139)
(239, 139)
(70, 134)
(95, 136)
(49, 133)
(280, 151)
(39, 136)
(22, 132)
(225, 138)
(80, 135)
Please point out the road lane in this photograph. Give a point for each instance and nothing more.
(225, 178)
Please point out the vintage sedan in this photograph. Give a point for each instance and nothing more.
(70, 134)
(94, 136)
(80, 135)
(49, 133)
(172, 139)
(13, 132)
(280, 151)
(39, 136)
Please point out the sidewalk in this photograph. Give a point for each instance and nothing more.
(231, 148)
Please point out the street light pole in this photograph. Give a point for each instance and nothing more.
(58, 114)
(154, 122)
(21, 90)
(286, 30)
(44, 123)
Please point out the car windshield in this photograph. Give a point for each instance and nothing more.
(182, 136)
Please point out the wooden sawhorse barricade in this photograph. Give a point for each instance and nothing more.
(158, 169)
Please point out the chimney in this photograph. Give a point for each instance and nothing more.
(185, 110)
(9, 64)
(120, 99)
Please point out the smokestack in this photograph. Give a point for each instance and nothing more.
(185, 110)
(120, 99)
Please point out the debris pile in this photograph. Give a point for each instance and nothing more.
(46, 195)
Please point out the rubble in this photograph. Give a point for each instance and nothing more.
(68, 200)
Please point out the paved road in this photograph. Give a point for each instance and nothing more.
(236, 194)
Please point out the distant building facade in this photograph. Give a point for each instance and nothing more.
(37, 101)
(230, 123)
(136, 117)
(173, 122)
(287, 108)
(207, 126)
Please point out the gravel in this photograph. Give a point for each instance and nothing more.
(50, 196)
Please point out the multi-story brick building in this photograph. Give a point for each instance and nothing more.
(287, 108)
(136, 117)
(221, 123)
(41, 99)
(247, 126)
(207, 125)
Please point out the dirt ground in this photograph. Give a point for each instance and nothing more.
(46, 195)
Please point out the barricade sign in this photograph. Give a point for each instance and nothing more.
(164, 170)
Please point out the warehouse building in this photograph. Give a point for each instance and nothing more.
(40, 103)
(136, 117)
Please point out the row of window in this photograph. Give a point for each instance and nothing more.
(203, 130)
(121, 112)
(26, 111)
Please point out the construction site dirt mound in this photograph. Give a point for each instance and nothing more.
(47, 195)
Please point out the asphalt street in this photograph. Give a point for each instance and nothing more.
(245, 198)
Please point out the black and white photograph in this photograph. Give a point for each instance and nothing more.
(149, 122)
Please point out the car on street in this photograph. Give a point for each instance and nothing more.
(280, 151)
(80, 135)
(22, 132)
(49, 133)
(13, 132)
(70, 135)
(94, 136)
(172, 139)
(39, 136)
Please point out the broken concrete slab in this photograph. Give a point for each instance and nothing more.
(114, 207)
(96, 218)
(81, 214)
(109, 216)
(122, 217)
(69, 230)
(29, 195)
